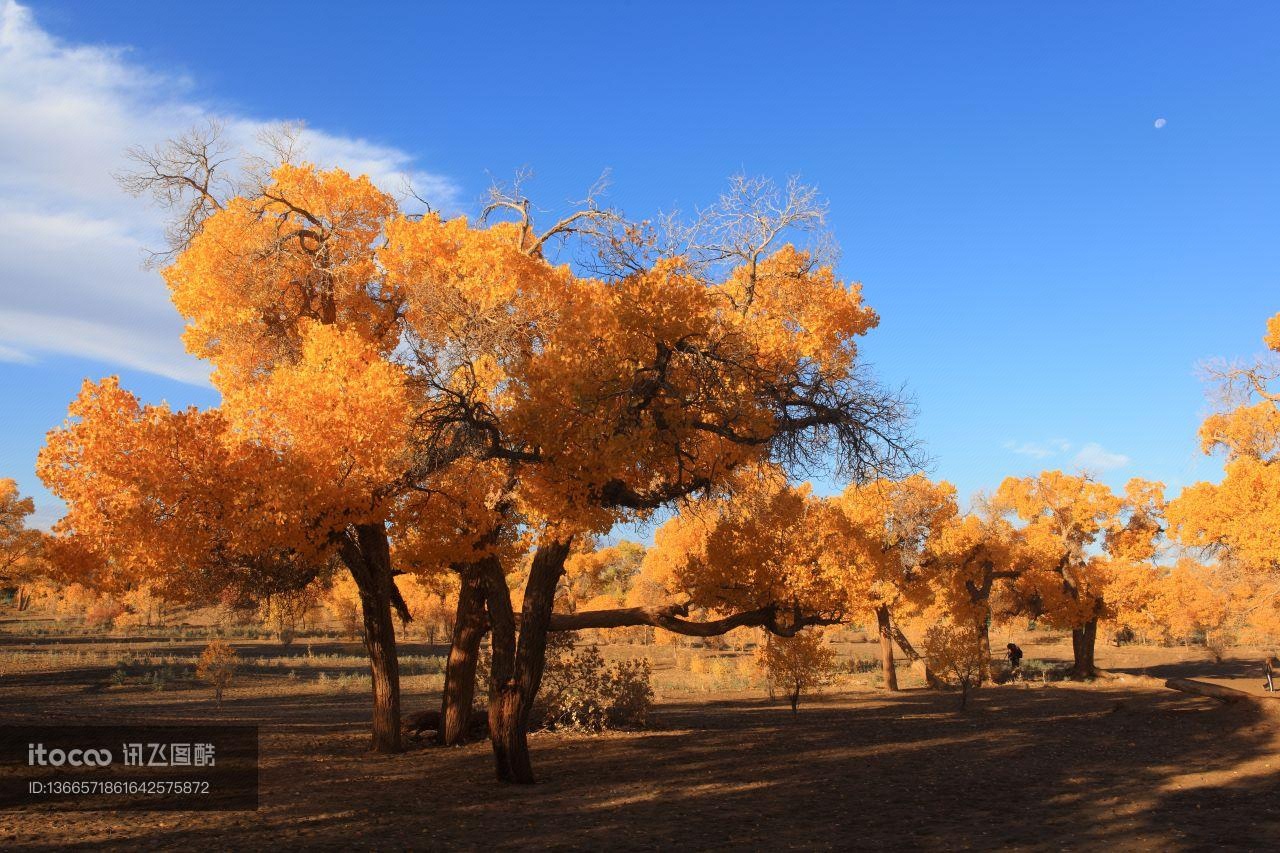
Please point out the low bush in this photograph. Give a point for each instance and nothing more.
(581, 692)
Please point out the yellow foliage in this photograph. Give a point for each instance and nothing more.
(217, 666)
(957, 654)
(20, 545)
(797, 665)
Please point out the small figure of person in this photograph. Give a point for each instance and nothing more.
(1273, 666)
(1015, 657)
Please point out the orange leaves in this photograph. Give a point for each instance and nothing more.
(304, 249)
(884, 533)
(1241, 514)
(799, 664)
(1075, 529)
(1252, 431)
(170, 497)
(440, 379)
(340, 414)
(755, 548)
(795, 310)
(1272, 339)
(1240, 517)
(19, 545)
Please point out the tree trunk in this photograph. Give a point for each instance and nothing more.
(502, 621)
(368, 556)
(886, 648)
(984, 635)
(469, 628)
(1083, 641)
(1228, 695)
(516, 678)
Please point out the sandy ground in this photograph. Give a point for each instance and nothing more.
(1121, 764)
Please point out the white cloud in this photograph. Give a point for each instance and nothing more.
(14, 355)
(1094, 457)
(1039, 450)
(70, 240)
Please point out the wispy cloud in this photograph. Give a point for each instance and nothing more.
(1095, 457)
(1039, 450)
(1091, 456)
(15, 356)
(70, 241)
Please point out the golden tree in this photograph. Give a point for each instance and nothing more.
(20, 545)
(1073, 530)
(973, 562)
(882, 535)
(1238, 518)
(415, 393)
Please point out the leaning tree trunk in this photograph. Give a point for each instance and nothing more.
(469, 627)
(1083, 642)
(518, 663)
(886, 648)
(368, 556)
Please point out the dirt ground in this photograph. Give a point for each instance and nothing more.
(1121, 764)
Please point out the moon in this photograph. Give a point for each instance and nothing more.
(1160, 123)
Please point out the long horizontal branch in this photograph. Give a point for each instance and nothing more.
(673, 617)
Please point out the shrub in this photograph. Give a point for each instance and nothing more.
(102, 613)
(796, 665)
(217, 665)
(957, 656)
(581, 692)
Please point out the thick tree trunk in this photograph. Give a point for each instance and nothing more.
(502, 622)
(469, 627)
(886, 648)
(368, 556)
(1083, 642)
(517, 677)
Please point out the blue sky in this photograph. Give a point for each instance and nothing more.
(1049, 265)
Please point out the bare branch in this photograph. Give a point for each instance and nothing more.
(190, 175)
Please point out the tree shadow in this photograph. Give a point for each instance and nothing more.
(1038, 767)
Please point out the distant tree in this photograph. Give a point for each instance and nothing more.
(883, 533)
(20, 545)
(1074, 529)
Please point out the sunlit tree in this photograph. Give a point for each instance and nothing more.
(20, 545)
(418, 393)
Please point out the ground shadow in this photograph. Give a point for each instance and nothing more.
(1112, 766)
